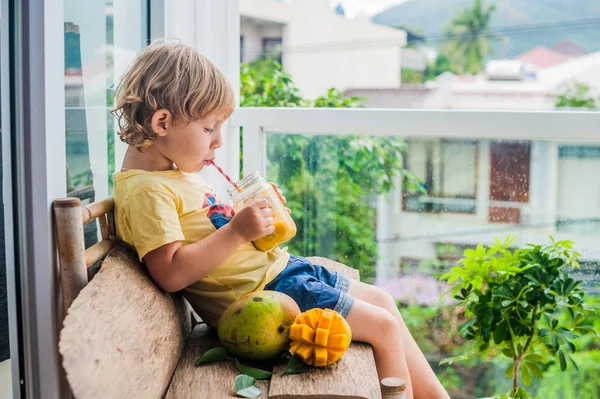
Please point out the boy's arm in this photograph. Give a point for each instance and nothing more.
(175, 266)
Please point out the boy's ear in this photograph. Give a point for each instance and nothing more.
(161, 121)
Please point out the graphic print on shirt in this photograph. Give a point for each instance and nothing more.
(218, 213)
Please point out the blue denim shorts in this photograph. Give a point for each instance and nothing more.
(313, 286)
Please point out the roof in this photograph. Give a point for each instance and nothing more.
(407, 96)
(542, 57)
(569, 48)
(564, 72)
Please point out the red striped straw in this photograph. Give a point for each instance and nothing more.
(225, 175)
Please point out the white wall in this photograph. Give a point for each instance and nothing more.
(482, 94)
(578, 188)
(414, 59)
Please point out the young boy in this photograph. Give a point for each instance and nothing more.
(171, 105)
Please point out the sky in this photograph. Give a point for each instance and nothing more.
(370, 7)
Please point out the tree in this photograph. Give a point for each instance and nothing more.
(577, 96)
(523, 304)
(442, 64)
(330, 182)
(468, 37)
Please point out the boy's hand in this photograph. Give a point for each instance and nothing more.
(280, 195)
(254, 221)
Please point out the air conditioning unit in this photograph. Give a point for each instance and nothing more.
(504, 70)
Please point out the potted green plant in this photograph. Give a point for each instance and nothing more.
(515, 301)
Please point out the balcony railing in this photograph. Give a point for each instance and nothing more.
(257, 123)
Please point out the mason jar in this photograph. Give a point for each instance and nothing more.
(252, 188)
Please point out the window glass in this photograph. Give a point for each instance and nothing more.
(101, 38)
(441, 166)
(448, 196)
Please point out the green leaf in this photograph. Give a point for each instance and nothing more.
(547, 319)
(588, 329)
(544, 332)
(488, 317)
(525, 375)
(509, 371)
(563, 361)
(532, 279)
(535, 370)
(212, 355)
(506, 352)
(555, 343)
(450, 360)
(534, 358)
(295, 366)
(252, 372)
(572, 362)
(500, 334)
(571, 313)
(244, 386)
(465, 326)
(523, 304)
(564, 333)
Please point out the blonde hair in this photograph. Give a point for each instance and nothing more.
(174, 77)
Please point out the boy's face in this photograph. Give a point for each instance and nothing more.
(189, 145)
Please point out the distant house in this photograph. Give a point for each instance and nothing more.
(479, 189)
(312, 39)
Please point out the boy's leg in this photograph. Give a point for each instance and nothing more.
(376, 326)
(424, 381)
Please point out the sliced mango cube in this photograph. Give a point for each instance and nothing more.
(302, 332)
(320, 337)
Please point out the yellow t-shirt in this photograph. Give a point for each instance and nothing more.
(156, 208)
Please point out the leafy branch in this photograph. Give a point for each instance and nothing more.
(514, 298)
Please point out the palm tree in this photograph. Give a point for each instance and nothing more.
(468, 37)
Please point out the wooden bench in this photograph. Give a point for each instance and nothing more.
(123, 337)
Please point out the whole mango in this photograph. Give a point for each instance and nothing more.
(257, 325)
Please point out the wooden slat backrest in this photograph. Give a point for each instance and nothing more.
(122, 336)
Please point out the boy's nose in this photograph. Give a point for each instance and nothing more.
(218, 142)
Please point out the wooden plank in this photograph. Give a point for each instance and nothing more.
(123, 336)
(71, 247)
(104, 231)
(98, 251)
(98, 208)
(213, 380)
(353, 376)
(335, 266)
(112, 229)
